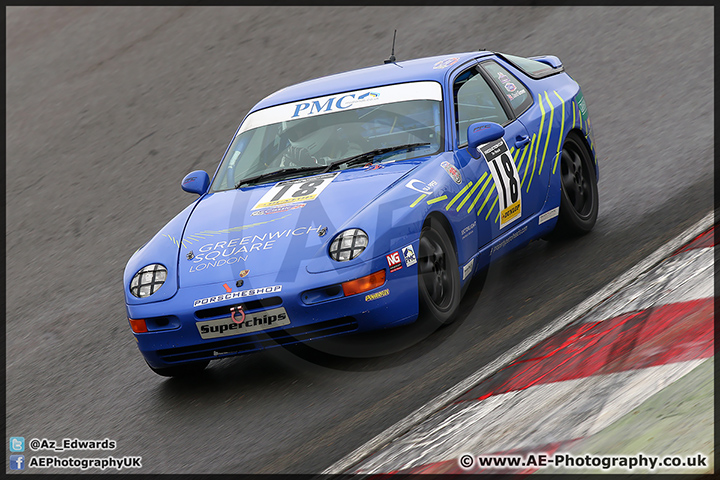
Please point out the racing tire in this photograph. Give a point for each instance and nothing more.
(181, 371)
(438, 274)
(579, 190)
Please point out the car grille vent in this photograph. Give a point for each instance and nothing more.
(247, 306)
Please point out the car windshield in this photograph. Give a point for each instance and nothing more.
(384, 124)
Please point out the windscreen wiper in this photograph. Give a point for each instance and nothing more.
(369, 156)
(277, 174)
(361, 158)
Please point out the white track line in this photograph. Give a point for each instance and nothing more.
(446, 397)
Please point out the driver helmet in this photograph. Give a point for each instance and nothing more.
(308, 134)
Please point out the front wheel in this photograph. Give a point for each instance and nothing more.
(438, 274)
(579, 195)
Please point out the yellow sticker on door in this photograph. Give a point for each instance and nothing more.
(510, 213)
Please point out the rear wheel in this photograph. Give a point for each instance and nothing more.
(183, 371)
(438, 274)
(579, 196)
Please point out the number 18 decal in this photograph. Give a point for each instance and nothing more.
(296, 190)
(507, 180)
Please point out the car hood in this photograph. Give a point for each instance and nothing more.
(230, 234)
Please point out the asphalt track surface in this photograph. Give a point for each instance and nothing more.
(107, 110)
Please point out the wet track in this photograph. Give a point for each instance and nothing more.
(108, 109)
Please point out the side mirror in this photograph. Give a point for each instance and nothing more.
(196, 182)
(482, 132)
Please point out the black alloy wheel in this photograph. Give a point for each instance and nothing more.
(438, 274)
(579, 196)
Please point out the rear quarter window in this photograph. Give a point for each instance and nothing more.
(516, 93)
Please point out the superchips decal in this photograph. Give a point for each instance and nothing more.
(254, 322)
(296, 190)
(506, 178)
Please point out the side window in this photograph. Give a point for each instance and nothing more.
(520, 99)
(475, 102)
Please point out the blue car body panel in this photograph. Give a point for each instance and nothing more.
(221, 251)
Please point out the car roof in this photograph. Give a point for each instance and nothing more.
(385, 74)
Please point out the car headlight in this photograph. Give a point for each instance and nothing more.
(148, 280)
(348, 244)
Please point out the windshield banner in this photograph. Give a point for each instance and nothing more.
(343, 101)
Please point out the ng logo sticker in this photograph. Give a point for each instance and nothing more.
(394, 261)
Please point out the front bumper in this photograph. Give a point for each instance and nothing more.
(314, 306)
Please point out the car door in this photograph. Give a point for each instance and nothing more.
(496, 200)
(541, 120)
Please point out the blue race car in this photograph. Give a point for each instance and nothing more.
(352, 202)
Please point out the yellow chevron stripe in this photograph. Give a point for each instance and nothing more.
(487, 197)
(459, 194)
(467, 197)
(547, 140)
(562, 130)
(491, 209)
(521, 159)
(574, 110)
(418, 200)
(542, 119)
(479, 193)
(435, 200)
(527, 166)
